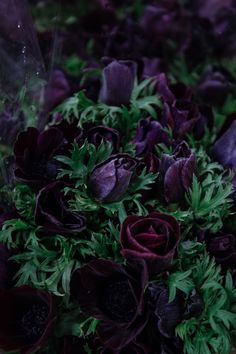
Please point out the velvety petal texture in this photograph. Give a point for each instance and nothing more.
(153, 238)
(180, 112)
(96, 135)
(224, 149)
(176, 173)
(149, 133)
(110, 180)
(118, 82)
(114, 294)
(222, 246)
(214, 86)
(27, 318)
(34, 152)
(52, 211)
(57, 90)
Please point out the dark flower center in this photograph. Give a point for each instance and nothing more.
(43, 167)
(118, 301)
(32, 322)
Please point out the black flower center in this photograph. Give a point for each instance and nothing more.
(118, 301)
(32, 322)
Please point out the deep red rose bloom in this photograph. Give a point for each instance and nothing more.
(153, 238)
(114, 294)
(27, 315)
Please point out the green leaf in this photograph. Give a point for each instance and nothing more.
(181, 281)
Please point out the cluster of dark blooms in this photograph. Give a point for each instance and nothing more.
(118, 209)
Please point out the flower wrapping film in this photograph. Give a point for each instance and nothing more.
(118, 178)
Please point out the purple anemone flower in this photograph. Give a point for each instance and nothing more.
(52, 211)
(34, 155)
(176, 173)
(109, 180)
(118, 82)
(114, 294)
(27, 318)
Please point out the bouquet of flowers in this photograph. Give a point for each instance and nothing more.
(118, 226)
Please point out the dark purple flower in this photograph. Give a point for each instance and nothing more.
(152, 67)
(165, 21)
(34, 153)
(110, 179)
(149, 133)
(170, 93)
(222, 246)
(224, 149)
(114, 294)
(118, 82)
(27, 317)
(224, 32)
(57, 90)
(11, 124)
(52, 211)
(185, 117)
(153, 238)
(176, 173)
(70, 131)
(101, 133)
(214, 86)
(169, 314)
(180, 113)
(210, 8)
(127, 40)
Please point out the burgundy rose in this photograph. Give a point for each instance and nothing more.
(118, 82)
(34, 155)
(110, 179)
(27, 317)
(52, 211)
(114, 294)
(101, 133)
(176, 173)
(153, 238)
(149, 133)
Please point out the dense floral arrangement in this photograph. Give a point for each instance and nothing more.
(118, 204)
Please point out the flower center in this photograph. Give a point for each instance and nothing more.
(32, 322)
(118, 301)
